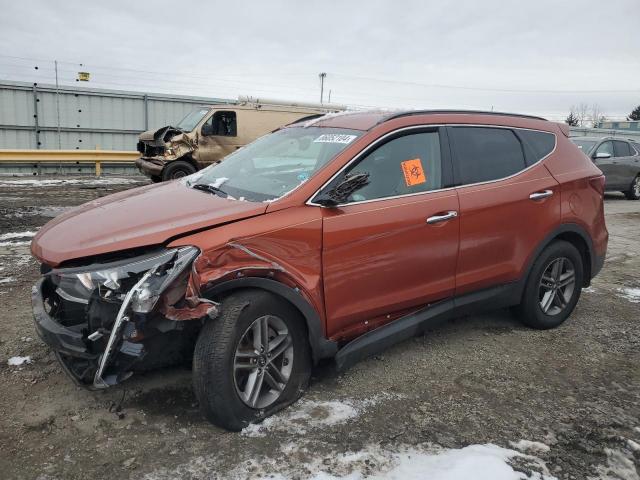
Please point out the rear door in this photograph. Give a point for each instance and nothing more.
(508, 201)
(626, 165)
(393, 245)
(607, 165)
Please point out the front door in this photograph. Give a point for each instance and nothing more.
(218, 137)
(392, 246)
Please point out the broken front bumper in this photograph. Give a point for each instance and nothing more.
(81, 359)
(150, 167)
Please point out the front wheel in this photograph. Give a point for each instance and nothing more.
(251, 361)
(177, 169)
(553, 287)
(634, 190)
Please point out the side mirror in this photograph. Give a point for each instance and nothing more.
(341, 192)
(207, 129)
(602, 155)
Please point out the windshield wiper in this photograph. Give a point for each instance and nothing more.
(210, 189)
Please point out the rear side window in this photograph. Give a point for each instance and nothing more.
(485, 153)
(622, 148)
(537, 145)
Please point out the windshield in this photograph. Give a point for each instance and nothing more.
(275, 164)
(584, 145)
(189, 122)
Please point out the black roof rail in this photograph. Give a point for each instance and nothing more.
(473, 112)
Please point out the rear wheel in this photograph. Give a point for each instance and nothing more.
(177, 169)
(553, 287)
(634, 190)
(251, 361)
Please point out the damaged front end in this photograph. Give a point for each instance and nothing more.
(105, 321)
(161, 146)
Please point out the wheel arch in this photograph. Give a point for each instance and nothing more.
(575, 235)
(321, 347)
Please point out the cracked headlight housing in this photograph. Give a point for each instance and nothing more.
(111, 281)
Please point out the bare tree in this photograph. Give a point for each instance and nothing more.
(582, 112)
(596, 115)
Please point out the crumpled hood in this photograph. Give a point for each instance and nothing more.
(148, 215)
(159, 135)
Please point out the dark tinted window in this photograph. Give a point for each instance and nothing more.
(404, 165)
(622, 148)
(485, 153)
(537, 145)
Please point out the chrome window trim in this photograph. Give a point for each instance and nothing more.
(422, 126)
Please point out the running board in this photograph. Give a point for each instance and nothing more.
(431, 316)
(399, 330)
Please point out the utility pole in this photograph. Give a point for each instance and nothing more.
(55, 62)
(322, 77)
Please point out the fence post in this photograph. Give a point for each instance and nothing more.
(35, 115)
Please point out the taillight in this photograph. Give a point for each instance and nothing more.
(598, 184)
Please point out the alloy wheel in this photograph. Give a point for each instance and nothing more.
(263, 362)
(557, 285)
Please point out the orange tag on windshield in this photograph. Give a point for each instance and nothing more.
(413, 172)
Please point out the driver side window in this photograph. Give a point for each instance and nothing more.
(402, 166)
(222, 124)
(605, 147)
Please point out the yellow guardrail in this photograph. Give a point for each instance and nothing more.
(69, 156)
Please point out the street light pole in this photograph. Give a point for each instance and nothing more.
(322, 77)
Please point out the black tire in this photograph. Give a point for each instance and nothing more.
(634, 190)
(214, 378)
(177, 169)
(156, 178)
(530, 311)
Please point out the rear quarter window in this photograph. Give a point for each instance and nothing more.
(486, 153)
(536, 144)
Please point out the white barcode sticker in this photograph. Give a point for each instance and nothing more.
(335, 138)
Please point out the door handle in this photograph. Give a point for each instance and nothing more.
(541, 195)
(443, 217)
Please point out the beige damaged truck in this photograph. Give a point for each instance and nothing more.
(209, 133)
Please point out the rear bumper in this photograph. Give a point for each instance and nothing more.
(150, 168)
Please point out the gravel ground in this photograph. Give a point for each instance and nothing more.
(482, 379)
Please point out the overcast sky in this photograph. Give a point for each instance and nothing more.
(533, 56)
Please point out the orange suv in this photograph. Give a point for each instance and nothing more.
(331, 238)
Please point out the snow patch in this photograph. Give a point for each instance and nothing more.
(631, 294)
(15, 361)
(620, 466)
(14, 244)
(477, 462)
(589, 290)
(7, 280)
(529, 446)
(7, 236)
(68, 181)
(307, 414)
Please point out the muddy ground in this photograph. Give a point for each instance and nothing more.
(477, 380)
